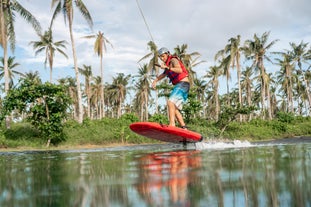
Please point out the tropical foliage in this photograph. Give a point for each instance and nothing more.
(44, 106)
(268, 83)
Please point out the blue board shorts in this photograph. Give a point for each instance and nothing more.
(179, 94)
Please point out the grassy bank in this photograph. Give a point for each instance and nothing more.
(116, 131)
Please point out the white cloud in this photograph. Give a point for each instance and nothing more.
(204, 25)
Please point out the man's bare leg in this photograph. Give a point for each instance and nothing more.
(174, 113)
(171, 113)
(179, 118)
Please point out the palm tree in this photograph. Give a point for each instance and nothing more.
(256, 50)
(99, 48)
(34, 77)
(142, 87)
(96, 89)
(189, 60)
(199, 87)
(118, 89)
(8, 11)
(66, 7)
(301, 55)
(86, 71)
(224, 63)
(273, 95)
(70, 84)
(232, 51)
(270, 89)
(213, 74)
(299, 92)
(154, 58)
(12, 72)
(285, 77)
(247, 85)
(308, 82)
(46, 44)
(152, 66)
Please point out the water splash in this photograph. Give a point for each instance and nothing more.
(222, 145)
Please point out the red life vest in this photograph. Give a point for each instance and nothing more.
(175, 77)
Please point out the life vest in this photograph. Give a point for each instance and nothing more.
(175, 77)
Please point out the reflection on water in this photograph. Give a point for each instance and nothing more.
(159, 175)
(167, 174)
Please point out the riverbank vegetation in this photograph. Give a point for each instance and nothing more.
(111, 131)
(269, 98)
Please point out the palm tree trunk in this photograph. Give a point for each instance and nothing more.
(249, 101)
(289, 91)
(228, 92)
(239, 85)
(88, 95)
(51, 78)
(5, 60)
(146, 106)
(217, 104)
(269, 107)
(102, 87)
(263, 89)
(307, 92)
(79, 93)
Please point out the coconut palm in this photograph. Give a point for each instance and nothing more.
(70, 84)
(8, 11)
(256, 50)
(273, 95)
(99, 48)
(96, 89)
(142, 95)
(247, 85)
(307, 76)
(301, 55)
(153, 58)
(12, 72)
(224, 63)
(152, 66)
(118, 90)
(47, 45)
(269, 79)
(34, 77)
(286, 78)
(86, 71)
(199, 87)
(299, 92)
(66, 7)
(232, 55)
(189, 60)
(213, 74)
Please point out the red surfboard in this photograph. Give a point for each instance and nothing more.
(165, 133)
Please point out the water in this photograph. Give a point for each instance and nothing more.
(206, 174)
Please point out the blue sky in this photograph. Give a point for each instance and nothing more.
(204, 25)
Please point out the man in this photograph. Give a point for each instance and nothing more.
(178, 75)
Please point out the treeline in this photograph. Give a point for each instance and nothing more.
(259, 92)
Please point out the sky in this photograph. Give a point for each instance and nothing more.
(204, 25)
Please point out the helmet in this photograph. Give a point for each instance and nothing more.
(163, 50)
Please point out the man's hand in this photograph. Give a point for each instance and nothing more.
(154, 84)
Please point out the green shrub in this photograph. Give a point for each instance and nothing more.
(279, 126)
(285, 117)
(129, 117)
(159, 118)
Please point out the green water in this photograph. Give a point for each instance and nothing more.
(159, 175)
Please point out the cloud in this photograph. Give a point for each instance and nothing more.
(204, 25)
